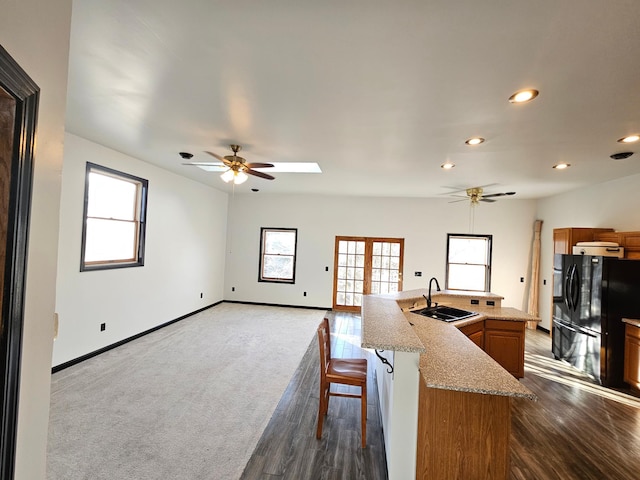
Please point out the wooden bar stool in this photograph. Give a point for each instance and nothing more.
(352, 371)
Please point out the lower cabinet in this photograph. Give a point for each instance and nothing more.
(632, 356)
(504, 342)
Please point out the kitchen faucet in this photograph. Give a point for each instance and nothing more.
(437, 290)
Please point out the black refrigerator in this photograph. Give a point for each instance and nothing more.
(591, 295)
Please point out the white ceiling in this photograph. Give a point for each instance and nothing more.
(378, 93)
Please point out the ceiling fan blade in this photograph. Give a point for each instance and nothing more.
(464, 190)
(498, 194)
(488, 200)
(461, 200)
(258, 174)
(258, 165)
(222, 159)
(206, 164)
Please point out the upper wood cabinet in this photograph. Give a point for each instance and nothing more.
(565, 238)
(629, 240)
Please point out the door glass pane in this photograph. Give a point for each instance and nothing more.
(350, 273)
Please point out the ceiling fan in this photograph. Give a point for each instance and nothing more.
(476, 195)
(236, 167)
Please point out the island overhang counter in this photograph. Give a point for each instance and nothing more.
(440, 392)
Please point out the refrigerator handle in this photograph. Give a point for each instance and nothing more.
(575, 288)
(567, 288)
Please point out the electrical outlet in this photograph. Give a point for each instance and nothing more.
(521, 279)
(326, 269)
(200, 294)
(103, 327)
(418, 274)
(304, 294)
(544, 282)
(233, 289)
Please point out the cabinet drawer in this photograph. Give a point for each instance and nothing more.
(504, 325)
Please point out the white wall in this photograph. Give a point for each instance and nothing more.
(186, 231)
(423, 223)
(607, 205)
(36, 35)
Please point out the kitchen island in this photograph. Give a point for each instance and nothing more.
(444, 401)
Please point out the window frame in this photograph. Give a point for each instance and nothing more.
(264, 231)
(142, 187)
(487, 274)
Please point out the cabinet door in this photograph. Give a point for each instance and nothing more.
(504, 342)
(562, 240)
(632, 356)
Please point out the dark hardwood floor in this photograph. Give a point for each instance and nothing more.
(576, 430)
(288, 448)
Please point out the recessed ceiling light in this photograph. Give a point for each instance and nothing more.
(523, 95)
(447, 166)
(561, 166)
(474, 141)
(629, 139)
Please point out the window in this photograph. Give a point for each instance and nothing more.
(113, 230)
(278, 255)
(468, 262)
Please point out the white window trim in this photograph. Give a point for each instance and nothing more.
(487, 280)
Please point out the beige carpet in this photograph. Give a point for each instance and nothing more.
(189, 401)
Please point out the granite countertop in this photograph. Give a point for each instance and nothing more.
(386, 327)
(453, 362)
(632, 321)
(448, 360)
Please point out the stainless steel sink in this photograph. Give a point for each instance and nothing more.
(444, 313)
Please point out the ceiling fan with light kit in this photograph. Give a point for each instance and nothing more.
(236, 169)
(476, 195)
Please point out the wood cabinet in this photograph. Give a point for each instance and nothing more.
(475, 332)
(462, 434)
(632, 356)
(629, 240)
(504, 342)
(565, 238)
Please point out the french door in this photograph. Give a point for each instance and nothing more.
(364, 265)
